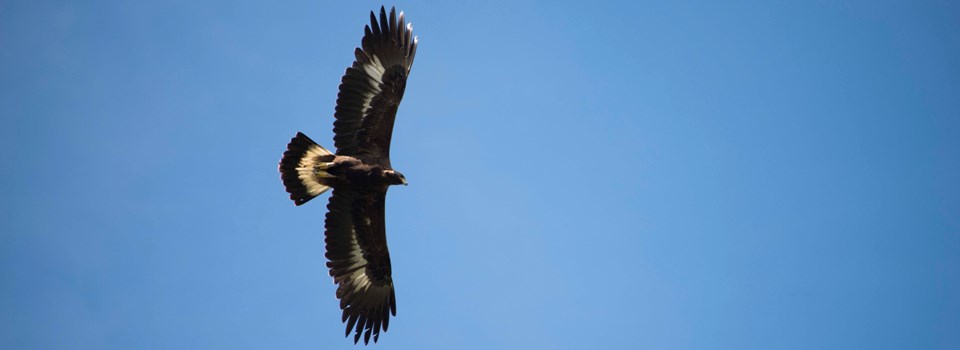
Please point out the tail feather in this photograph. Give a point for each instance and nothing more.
(302, 168)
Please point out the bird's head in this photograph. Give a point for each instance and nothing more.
(395, 177)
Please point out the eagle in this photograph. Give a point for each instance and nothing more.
(359, 174)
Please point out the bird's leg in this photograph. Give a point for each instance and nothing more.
(322, 169)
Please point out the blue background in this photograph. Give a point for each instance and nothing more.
(664, 175)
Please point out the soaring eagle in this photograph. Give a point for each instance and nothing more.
(359, 173)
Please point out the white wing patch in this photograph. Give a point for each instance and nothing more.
(356, 278)
(374, 71)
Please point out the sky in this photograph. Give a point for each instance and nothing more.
(583, 175)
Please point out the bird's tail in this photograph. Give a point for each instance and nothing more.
(303, 168)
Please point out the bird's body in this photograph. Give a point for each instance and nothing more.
(359, 174)
(352, 172)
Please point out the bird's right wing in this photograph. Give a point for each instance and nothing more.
(371, 89)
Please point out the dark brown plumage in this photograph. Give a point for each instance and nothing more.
(359, 173)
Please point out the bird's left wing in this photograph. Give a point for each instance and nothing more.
(359, 261)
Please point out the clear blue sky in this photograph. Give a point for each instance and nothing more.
(655, 175)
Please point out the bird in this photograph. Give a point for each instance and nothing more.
(359, 174)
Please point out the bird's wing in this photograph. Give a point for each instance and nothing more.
(371, 89)
(359, 261)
